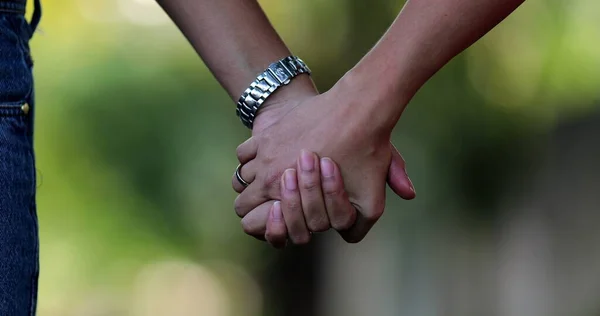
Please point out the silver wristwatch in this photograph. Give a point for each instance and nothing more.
(278, 74)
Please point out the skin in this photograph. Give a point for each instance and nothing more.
(350, 124)
(367, 155)
(251, 45)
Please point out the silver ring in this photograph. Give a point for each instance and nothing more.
(239, 176)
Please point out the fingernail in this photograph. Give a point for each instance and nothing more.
(412, 187)
(277, 215)
(290, 180)
(327, 167)
(307, 162)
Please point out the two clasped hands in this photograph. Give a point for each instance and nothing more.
(320, 161)
(313, 163)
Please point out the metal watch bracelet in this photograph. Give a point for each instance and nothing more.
(278, 74)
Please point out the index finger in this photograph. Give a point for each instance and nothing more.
(246, 151)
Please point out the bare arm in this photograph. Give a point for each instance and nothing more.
(352, 123)
(235, 40)
(423, 38)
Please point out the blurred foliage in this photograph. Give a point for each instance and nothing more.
(135, 141)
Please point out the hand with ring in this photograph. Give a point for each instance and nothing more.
(320, 190)
(309, 193)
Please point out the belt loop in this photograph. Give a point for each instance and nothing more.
(37, 15)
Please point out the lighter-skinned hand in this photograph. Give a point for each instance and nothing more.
(321, 125)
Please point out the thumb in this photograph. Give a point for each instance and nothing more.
(397, 178)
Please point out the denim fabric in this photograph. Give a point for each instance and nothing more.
(15, 6)
(19, 262)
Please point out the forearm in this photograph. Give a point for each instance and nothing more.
(423, 38)
(233, 37)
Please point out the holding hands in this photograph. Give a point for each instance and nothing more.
(293, 192)
(338, 181)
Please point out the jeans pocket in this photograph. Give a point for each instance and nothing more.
(18, 108)
(15, 125)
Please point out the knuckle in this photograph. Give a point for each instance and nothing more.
(301, 239)
(238, 207)
(248, 229)
(336, 193)
(310, 184)
(372, 216)
(343, 222)
(293, 204)
(319, 224)
(239, 151)
(375, 211)
(274, 237)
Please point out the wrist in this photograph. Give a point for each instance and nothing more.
(278, 75)
(299, 87)
(283, 100)
(370, 102)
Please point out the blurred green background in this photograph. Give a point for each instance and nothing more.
(136, 146)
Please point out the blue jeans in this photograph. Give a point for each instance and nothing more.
(19, 247)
